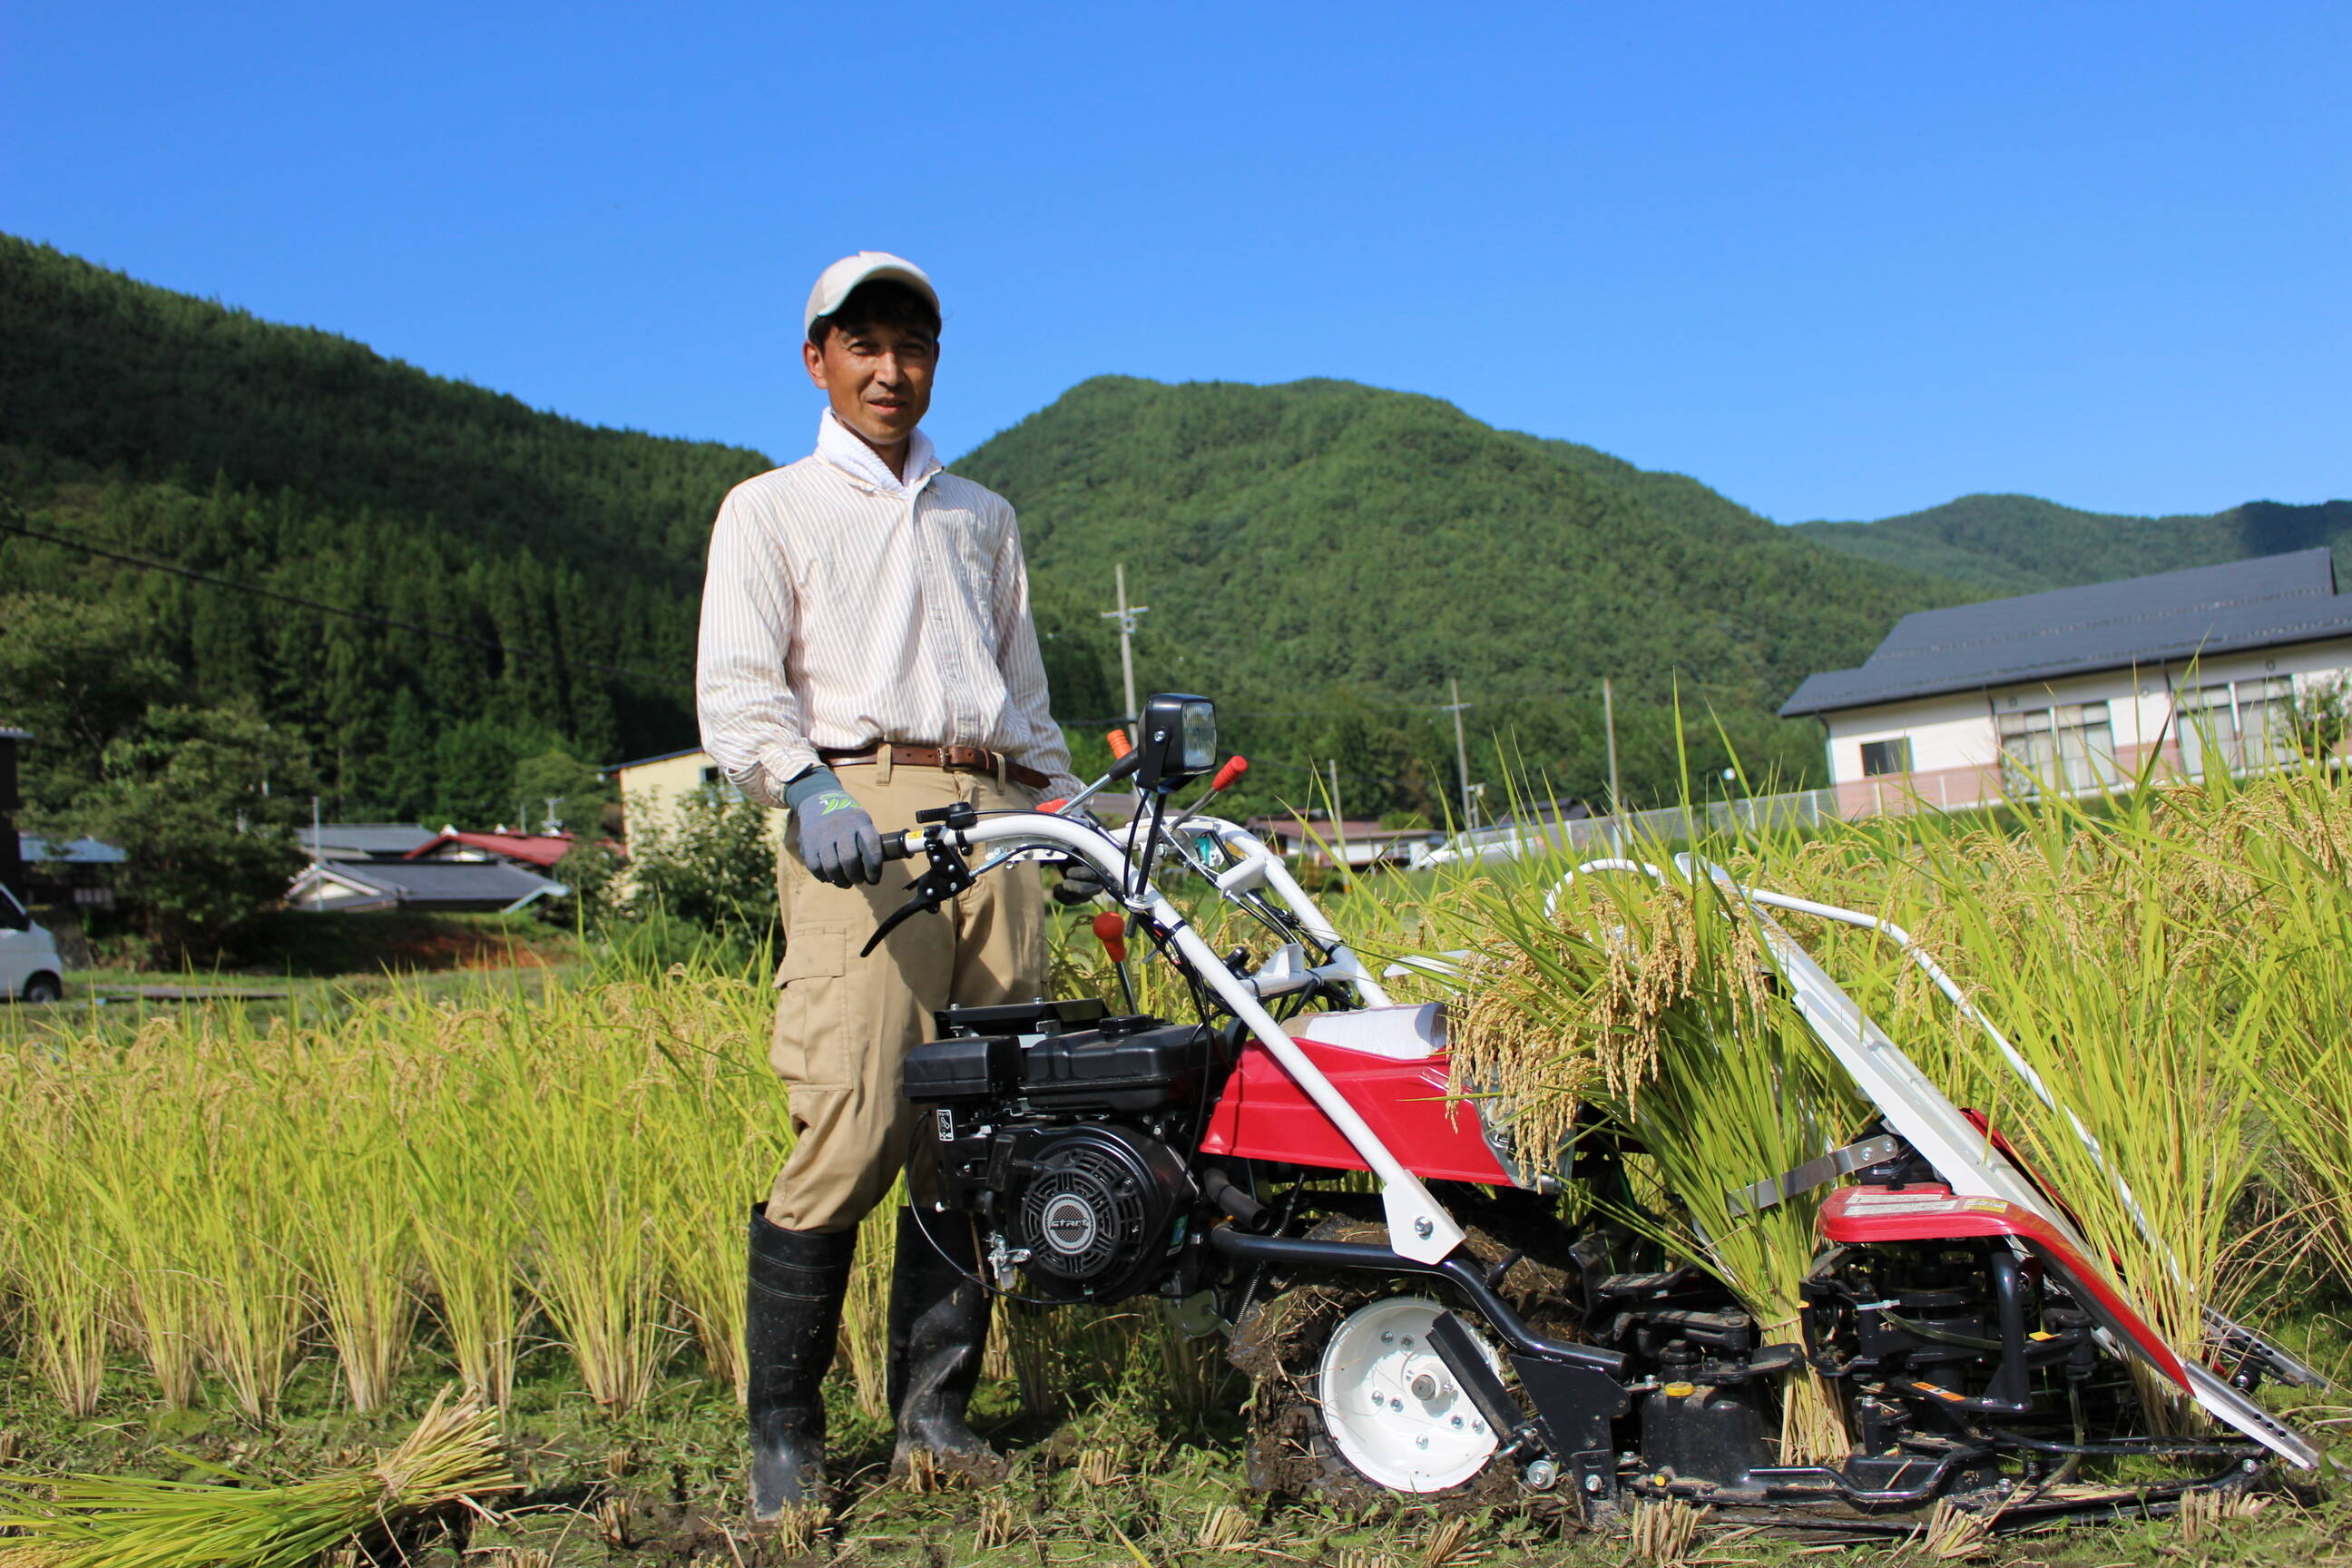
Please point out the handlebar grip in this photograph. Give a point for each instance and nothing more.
(901, 845)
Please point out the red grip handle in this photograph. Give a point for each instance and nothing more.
(1119, 744)
(1236, 766)
(1111, 929)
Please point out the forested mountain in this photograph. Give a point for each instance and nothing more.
(1327, 555)
(2021, 544)
(155, 424)
(1321, 557)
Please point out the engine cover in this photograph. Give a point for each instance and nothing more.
(1095, 1206)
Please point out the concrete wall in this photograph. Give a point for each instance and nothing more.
(650, 790)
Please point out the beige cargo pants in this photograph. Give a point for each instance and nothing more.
(845, 1023)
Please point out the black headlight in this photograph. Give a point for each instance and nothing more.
(1178, 742)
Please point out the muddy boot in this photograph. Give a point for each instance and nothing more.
(939, 1324)
(794, 1314)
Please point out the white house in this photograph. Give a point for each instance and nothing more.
(2079, 686)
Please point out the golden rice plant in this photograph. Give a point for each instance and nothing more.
(865, 1345)
(359, 1235)
(241, 1238)
(137, 1182)
(1649, 998)
(57, 1258)
(586, 1158)
(718, 1119)
(459, 1182)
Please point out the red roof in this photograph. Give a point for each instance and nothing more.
(529, 848)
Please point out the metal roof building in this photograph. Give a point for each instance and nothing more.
(2080, 687)
(481, 886)
(2140, 622)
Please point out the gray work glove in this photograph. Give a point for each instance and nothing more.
(839, 843)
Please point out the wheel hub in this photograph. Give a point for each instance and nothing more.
(1390, 1405)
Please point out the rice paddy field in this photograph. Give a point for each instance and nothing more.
(304, 1264)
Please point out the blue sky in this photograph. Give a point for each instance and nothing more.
(1833, 260)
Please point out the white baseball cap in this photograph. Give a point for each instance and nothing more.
(833, 284)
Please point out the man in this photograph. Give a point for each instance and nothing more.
(866, 653)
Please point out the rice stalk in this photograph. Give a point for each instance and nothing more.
(469, 1237)
(1650, 1000)
(241, 1239)
(596, 1269)
(56, 1256)
(865, 1343)
(359, 1244)
(137, 1181)
(118, 1521)
(715, 1113)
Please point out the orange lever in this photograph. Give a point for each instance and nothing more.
(1119, 744)
(1111, 929)
(1236, 766)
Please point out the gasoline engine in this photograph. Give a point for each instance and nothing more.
(1063, 1133)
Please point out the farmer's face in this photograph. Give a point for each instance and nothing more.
(877, 378)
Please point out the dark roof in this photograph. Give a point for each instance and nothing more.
(364, 840)
(73, 852)
(440, 884)
(2263, 603)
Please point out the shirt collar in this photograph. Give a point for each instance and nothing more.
(839, 445)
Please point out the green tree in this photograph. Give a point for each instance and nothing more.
(580, 792)
(708, 860)
(80, 677)
(204, 802)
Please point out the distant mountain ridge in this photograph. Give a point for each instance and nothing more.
(1326, 556)
(2021, 544)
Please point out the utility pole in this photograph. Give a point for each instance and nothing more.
(1125, 615)
(1461, 747)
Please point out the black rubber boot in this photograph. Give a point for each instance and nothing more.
(792, 1319)
(938, 1326)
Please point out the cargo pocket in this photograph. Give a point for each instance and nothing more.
(812, 1009)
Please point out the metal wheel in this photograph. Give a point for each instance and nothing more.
(43, 988)
(1390, 1407)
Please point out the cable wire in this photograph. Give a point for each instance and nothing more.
(210, 580)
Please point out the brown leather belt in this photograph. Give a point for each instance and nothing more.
(955, 758)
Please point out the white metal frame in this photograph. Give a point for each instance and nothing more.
(1419, 1226)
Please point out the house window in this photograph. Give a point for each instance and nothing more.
(2237, 726)
(2069, 747)
(1880, 758)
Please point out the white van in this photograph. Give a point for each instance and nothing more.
(29, 967)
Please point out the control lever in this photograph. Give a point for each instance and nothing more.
(945, 877)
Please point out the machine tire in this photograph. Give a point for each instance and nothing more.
(45, 988)
(1280, 1343)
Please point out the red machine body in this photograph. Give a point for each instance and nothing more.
(1264, 1115)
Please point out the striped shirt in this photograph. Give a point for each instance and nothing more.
(843, 605)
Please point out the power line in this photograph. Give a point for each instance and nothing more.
(209, 580)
